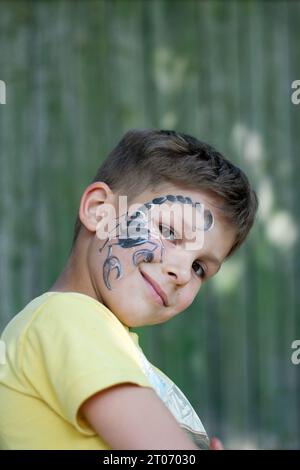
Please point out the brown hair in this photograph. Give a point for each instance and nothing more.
(148, 158)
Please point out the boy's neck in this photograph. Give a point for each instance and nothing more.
(75, 276)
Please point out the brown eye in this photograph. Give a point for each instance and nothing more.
(199, 270)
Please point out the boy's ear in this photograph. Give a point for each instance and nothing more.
(95, 195)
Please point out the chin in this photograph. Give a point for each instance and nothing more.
(129, 322)
(139, 323)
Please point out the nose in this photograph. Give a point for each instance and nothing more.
(178, 267)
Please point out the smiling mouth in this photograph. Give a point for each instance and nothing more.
(157, 293)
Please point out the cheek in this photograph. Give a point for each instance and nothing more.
(185, 298)
(113, 268)
(122, 273)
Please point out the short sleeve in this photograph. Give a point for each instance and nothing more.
(74, 348)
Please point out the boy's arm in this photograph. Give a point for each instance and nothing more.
(128, 416)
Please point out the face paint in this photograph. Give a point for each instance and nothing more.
(137, 225)
(145, 254)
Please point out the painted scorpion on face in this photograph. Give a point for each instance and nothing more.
(137, 224)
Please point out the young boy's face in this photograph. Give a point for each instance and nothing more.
(149, 266)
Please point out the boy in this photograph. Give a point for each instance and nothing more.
(75, 376)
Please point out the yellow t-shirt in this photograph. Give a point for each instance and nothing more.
(61, 349)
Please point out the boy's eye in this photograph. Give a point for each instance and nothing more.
(167, 232)
(199, 270)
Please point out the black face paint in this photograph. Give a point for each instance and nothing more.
(139, 221)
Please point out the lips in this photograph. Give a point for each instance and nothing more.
(156, 287)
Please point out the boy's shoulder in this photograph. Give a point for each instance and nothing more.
(57, 313)
(69, 327)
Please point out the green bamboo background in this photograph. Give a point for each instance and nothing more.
(78, 75)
